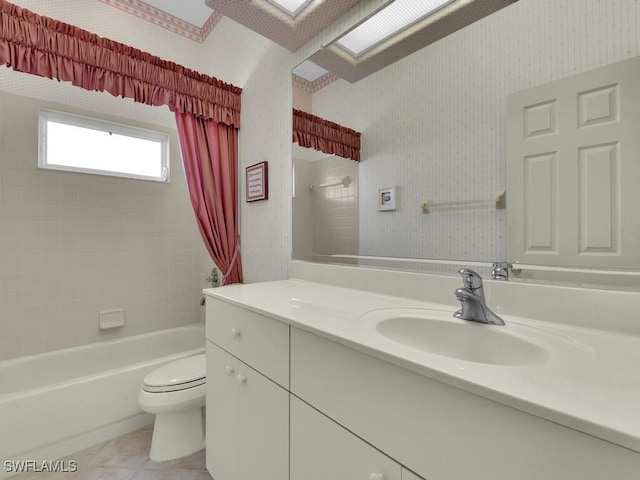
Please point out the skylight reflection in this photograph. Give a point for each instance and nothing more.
(309, 71)
(398, 16)
(292, 7)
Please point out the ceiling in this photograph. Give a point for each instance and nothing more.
(272, 22)
(195, 19)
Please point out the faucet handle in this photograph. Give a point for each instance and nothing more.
(470, 278)
(500, 271)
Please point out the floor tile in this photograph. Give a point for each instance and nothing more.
(166, 475)
(204, 475)
(125, 458)
(191, 462)
(129, 450)
(105, 473)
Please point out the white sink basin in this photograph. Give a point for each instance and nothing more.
(438, 334)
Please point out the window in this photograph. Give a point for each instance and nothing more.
(81, 144)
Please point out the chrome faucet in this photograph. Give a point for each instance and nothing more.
(474, 306)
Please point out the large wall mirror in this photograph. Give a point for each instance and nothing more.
(434, 129)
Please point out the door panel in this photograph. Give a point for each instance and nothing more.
(573, 168)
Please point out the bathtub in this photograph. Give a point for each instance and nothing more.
(56, 403)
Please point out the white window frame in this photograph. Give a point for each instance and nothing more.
(104, 126)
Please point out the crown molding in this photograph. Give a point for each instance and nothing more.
(312, 87)
(166, 20)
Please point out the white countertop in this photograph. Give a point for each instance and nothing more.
(590, 382)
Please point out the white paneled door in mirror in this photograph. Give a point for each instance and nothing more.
(573, 170)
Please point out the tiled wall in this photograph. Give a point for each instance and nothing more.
(302, 210)
(74, 244)
(335, 209)
(433, 123)
(325, 220)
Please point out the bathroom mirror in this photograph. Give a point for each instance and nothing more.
(433, 127)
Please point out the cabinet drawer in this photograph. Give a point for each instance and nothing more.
(321, 449)
(259, 341)
(430, 426)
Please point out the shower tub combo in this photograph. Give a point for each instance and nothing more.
(56, 403)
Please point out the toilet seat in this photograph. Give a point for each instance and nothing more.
(173, 388)
(180, 375)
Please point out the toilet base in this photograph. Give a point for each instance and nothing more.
(177, 434)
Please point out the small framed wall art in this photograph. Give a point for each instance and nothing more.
(257, 182)
(387, 198)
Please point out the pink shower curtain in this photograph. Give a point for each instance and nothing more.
(210, 158)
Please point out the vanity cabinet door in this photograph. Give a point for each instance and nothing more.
(222, 414)
(263, 428)
(247, 421)
(321, 449)
(409, 475)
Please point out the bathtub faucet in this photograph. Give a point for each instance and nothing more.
(474, 306)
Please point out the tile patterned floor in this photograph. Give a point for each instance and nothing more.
(126, 458)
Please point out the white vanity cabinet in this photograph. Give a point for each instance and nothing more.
(247, 406)
(284, 403)
(321, 449)
(439, 431)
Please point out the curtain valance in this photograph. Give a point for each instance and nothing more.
(328, 137)
(43, 46)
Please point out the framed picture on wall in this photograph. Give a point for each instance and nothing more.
(387, 198)
(257, 182)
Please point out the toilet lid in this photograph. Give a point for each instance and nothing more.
(179, 375)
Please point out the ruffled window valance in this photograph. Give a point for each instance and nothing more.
(43, 46)
(328, 137)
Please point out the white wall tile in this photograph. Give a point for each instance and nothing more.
(83, 242)
(71, 245)
(335, 208)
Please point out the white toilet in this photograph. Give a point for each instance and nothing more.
(175, 393)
